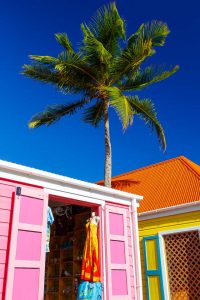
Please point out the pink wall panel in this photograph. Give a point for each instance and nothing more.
(28, 245)
(1, 285)
(3, 242)
(117, 252)
(4, 229)
(4, 215)
(31, 210)
(6, 190)
(5, 202)
(116, 222)
(2, 270)
(26, 280)
(119, 282)
(2, 256)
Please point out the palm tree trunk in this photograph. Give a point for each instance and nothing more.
(108, 153)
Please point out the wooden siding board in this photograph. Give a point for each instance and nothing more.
(4, 216)
(6, 195)
(1, 285)
(5, 202)
(4, 229)
(3, 242)
(2, 269)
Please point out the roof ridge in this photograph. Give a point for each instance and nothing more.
(192, 166)
(147, 167)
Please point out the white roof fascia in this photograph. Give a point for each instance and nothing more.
(69, 186)
(169, 211)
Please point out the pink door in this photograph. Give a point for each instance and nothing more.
(118, 268)
(25, 279)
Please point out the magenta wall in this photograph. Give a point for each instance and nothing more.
(29, 224)
(7, 197)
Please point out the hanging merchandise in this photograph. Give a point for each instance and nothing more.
(90, 286)
(63, 219)
(64, 210)
(89, 291)
(50, 220)
(90, 262)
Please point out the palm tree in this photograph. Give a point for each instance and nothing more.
(104, 73)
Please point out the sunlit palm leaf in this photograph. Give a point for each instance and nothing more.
(94, 48)
(108, 27)
(140, 46)
(53, 113)
(144, 78)
(64, 41)
(121, 105)
(68, 71)
(44, 59)
(155, 31)
(41, 73)
(146, 111)
(131, 59)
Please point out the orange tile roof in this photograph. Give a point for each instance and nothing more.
(165, 184)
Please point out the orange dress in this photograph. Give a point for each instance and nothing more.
(90, 263)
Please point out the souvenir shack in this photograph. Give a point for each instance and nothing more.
(169, 227)
(43, 238)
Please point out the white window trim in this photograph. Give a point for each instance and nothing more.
(163, 256)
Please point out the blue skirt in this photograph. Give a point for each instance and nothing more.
(89, 291)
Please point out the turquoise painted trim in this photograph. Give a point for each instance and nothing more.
(157, 272)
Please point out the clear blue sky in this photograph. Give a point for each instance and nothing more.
(71, 147)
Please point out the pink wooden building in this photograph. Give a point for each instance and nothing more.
(25, 194)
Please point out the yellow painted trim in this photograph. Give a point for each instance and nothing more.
(152, 262)
(154, 288)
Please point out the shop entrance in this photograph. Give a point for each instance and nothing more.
(27, 253)
(65, 248)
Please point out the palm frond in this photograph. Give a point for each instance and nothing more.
(44, 59)
(143, 78)
(130, 59)
(108, 27)
(155, 31)
(64, 41)
(68, 72)
(121, 105)
(94, 114)
(41, 73)
(135, 36)
(73, 65)
(96, 53)
(139, 47)
(53, 113)
(146, 111)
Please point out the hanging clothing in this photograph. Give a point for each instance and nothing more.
(90, 263)
(90, 291)
(50, 220)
